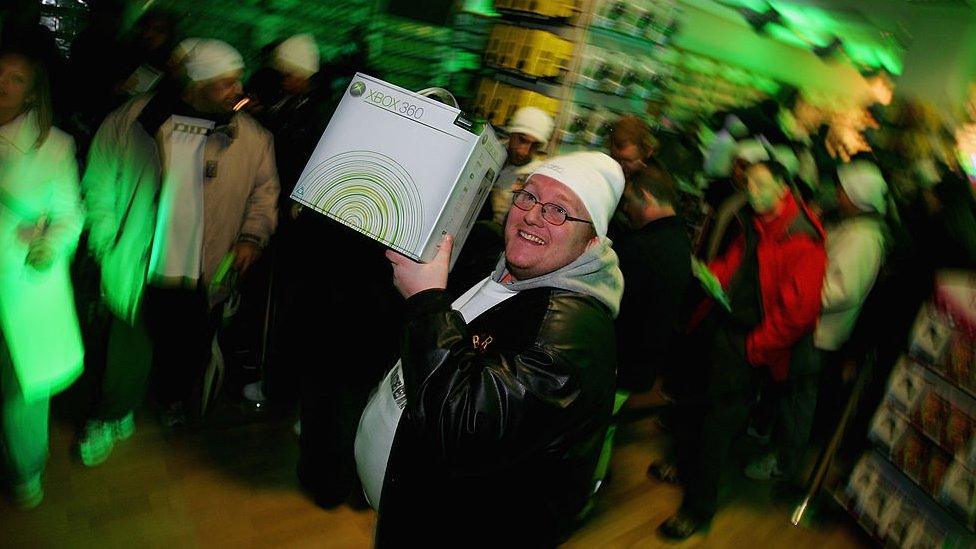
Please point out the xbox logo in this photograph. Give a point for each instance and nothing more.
(357, 89)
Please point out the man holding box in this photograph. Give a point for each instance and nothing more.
(505, 394)
(175, 182)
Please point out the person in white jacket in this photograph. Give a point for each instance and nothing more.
(41, 351)
(855, 251)
(528, 132)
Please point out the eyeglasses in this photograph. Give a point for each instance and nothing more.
(552, 213)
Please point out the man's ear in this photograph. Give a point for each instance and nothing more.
(647, 198)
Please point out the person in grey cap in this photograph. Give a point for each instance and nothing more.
(501, 400)
(177, 184)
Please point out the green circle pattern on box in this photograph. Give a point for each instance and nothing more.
(370, 192)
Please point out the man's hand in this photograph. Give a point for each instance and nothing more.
(40, 256)
(246, 254)
(412, 278)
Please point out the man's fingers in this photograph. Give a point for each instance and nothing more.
(394, 257)
(444, 249)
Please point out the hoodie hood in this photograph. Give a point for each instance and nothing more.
(596, 273)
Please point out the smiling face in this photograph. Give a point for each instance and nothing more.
(533, 246)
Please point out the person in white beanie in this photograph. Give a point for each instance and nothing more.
(501, 399)
(287, 97)
(856, 246)
(298, 59)
(528, 133)
(177, 183)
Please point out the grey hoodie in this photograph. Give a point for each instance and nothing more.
(596, 273)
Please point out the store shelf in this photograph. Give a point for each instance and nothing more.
(586, 96)
(539, 86)
(609, 38)
(897, 492)
(535, 21)
(922, 499)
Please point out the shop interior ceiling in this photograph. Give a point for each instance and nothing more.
(874, 34)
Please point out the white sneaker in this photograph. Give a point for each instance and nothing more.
(762, 438)
(125, 427)
(764, 468)
(99, 438)
(96, 442)
(28, 494)
(255, 392)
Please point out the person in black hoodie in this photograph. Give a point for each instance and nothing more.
(655, 259)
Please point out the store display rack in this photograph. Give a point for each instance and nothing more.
(917, 486)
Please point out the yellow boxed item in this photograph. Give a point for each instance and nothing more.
(543, 54)
(547, 8)
(518, 97)
(496, 108)
(486, 89)
(497, 40)
(507, 45)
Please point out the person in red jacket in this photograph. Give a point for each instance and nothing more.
(772, 277)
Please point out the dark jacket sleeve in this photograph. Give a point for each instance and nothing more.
(484, 409)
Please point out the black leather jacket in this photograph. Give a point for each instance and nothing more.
(504, 422)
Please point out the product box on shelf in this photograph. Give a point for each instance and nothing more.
(958, 492)
(905, 386)
(888, 429)
(931, 335)
(400, 168)
(541, 54)
(933, 407)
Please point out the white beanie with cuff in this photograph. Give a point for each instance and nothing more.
(297, 55)
(533, 122)
(864, 185)
(594, 177)
(208, 58)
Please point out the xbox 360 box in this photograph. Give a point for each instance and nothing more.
(401, 168)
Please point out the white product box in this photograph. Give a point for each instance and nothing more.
(401, 168)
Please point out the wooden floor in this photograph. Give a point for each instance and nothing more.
(230, 483)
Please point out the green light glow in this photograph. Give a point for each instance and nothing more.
(762, 6)
(483, 7)
(785, 35)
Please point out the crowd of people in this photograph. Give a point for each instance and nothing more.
(740, 266)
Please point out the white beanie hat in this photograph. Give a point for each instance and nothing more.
(183, 48)
(209, 58)
(533, 122)
(751, 150)
(864, 185)
(299, 55)
(594, 177)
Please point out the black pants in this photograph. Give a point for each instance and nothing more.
(182, 330)
(128, 360)
(711, 419)
(704, 441)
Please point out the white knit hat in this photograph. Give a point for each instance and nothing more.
(864, 185)
(594, 177)
(298, 55)
(183, 48)
(751, 150)
(208, 59)
(533, 122)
